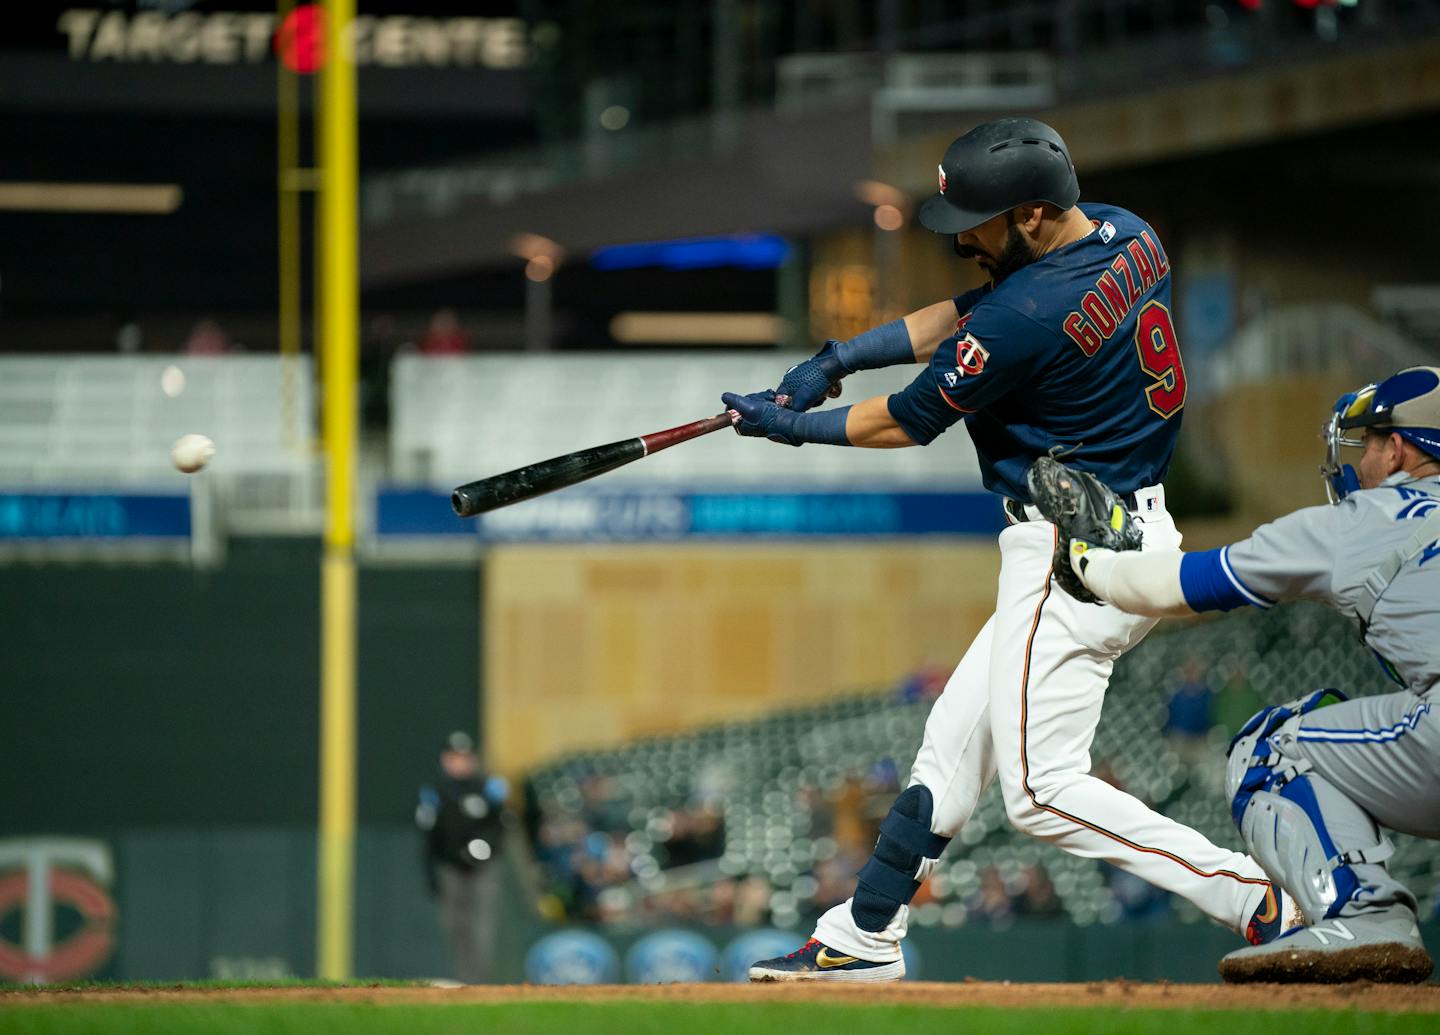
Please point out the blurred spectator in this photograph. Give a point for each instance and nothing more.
(924, 684)
(1237, 701)
(129, 338)
(852, 833)
(1039, 898)
(1138, 899)
(1189, 716)
(1104, 769)
(695, 835)
(835, 879)
(445, 336)
(207, 338)
(992, 903)
(591, 847)
(752, 902)
(461, 820)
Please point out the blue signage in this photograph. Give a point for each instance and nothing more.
(753, 946)
(636, 515)
(73, 515)
(746, 251)
(670, 957)
(572, 957)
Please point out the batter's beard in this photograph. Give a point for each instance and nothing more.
(1014, 256)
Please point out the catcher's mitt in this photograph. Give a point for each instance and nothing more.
(1083, 508)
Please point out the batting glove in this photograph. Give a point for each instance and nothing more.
(808, 384)
(762, 417)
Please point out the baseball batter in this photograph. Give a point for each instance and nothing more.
(1070, 348)
(1313, 780)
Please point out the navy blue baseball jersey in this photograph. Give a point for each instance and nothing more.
(1077, 350)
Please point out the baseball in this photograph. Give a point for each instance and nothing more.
(191, 452)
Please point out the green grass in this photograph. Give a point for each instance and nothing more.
(165, 986)
(632, 1018)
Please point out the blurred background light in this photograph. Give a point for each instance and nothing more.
(889, 217)
(172, 381)
(745, 251)
(132, 198)
(615, 117)
(697, 328)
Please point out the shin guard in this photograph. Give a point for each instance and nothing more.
(888, 881)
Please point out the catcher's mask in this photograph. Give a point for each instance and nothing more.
(1407, 403)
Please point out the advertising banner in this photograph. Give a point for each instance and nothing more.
(646, 515)
(91, 516)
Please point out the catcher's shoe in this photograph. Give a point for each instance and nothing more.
(1383, 947)
(816, 962)
(1276, 914)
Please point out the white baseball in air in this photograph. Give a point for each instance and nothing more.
(191, 452)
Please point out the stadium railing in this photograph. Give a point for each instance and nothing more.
(102, 422)
(457, 419)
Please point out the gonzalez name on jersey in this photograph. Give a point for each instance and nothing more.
(1021, 372)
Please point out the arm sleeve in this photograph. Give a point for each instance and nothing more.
(1140, 583)
(1291, 558)
(995, 352)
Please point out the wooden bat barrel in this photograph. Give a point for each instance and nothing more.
(525, 483)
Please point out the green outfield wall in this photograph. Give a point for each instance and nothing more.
(159, 695)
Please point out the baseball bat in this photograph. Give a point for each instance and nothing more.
(525, 483)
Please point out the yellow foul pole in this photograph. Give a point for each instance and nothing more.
(339, 319)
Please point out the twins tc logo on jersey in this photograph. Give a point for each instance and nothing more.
(970, 357)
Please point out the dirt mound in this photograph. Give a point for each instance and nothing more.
(1107, 994)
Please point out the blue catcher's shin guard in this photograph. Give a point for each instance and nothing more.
(887, 881)
(1284, 811)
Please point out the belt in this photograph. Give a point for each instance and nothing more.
(1141, 502)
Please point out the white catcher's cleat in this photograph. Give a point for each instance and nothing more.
(1382, 947)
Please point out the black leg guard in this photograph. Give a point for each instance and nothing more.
(887, 881)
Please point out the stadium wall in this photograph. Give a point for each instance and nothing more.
(208, 689)
(594, 645)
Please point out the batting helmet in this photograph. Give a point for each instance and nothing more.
(996, 166)
(1407, 403)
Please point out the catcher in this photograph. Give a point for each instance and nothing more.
(1311, 788)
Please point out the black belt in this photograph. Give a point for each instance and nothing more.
(1016, 509)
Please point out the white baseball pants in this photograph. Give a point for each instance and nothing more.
(1023, 705)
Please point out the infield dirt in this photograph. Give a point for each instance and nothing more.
(1108, 994)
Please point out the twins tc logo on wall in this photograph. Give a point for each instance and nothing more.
(59, 888)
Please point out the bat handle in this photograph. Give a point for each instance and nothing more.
(659, 440)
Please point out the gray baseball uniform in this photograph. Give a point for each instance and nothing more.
(1327, 554)
(1372, 759)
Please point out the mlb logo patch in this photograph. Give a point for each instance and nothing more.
(1107, 231)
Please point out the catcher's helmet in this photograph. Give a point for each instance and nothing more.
(996, 166)
(1407, 403)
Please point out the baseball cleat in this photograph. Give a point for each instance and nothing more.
(1384, 947)
(1276, 915)
(816, 962)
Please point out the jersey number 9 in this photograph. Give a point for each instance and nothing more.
(1160, 358)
